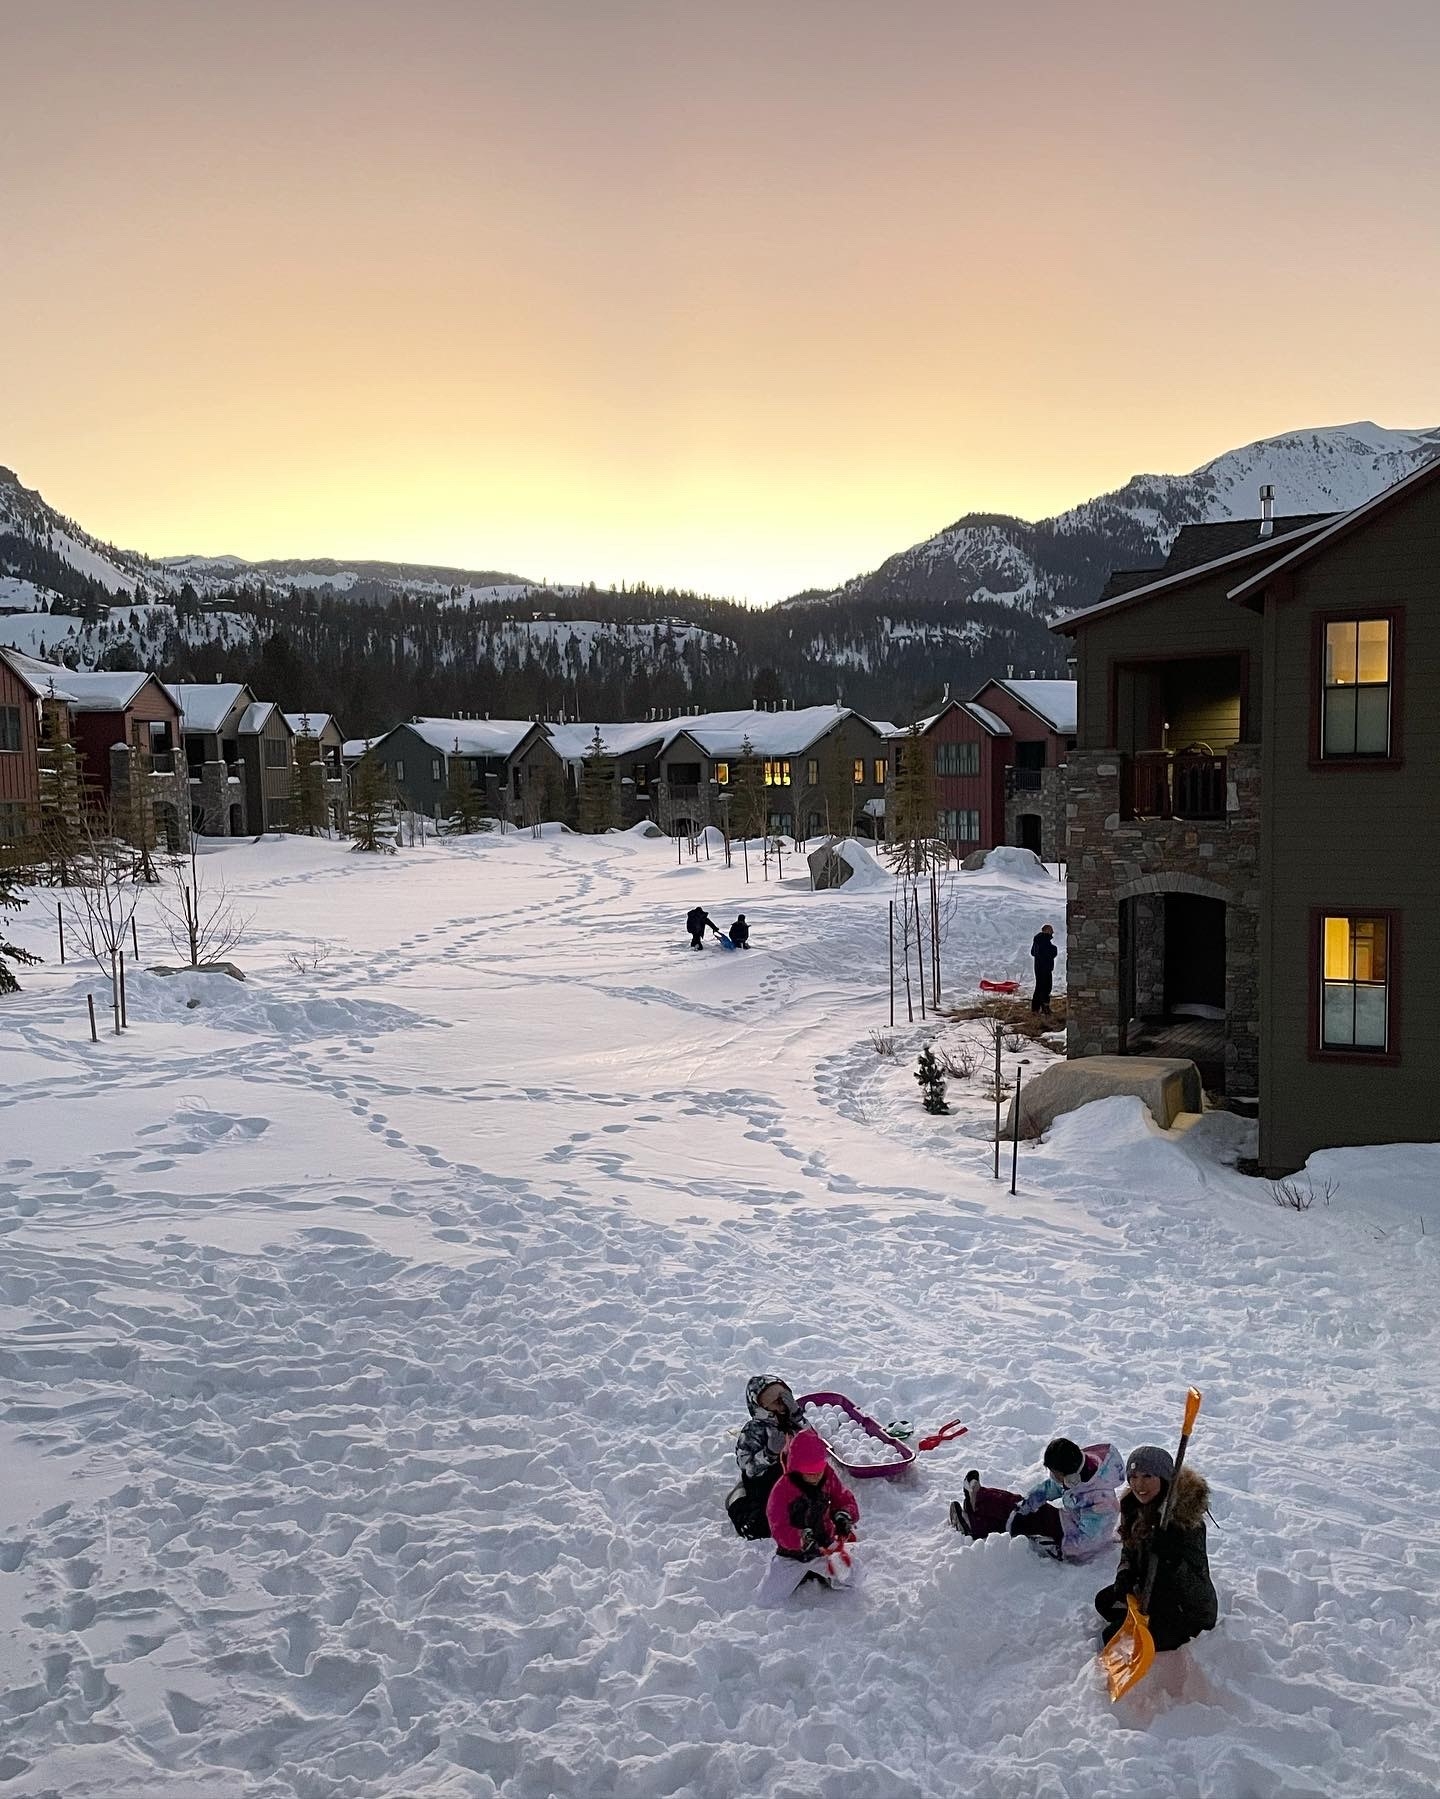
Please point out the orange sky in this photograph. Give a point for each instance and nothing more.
(740, 296)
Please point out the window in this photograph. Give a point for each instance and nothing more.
(780, 823)
(399, 770)
(722, 773)
(1355, 720)
(859, 771)
(277, 752)
(777, 774)
(276, 814)
(816, 824)
(960, 827)
(812, 773)
(957, 758)
(435, 768)
(9, 727)
(879, 771)
(12, 819)
(1355, 971)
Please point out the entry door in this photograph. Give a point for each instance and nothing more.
(1028, 825)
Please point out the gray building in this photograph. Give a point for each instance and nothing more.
(508, 760)
(1251, 816)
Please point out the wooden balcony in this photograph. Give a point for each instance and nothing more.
(1184, 784)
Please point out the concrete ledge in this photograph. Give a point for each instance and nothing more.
(1168, 1085)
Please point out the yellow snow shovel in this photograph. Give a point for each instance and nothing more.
(1126, 1658)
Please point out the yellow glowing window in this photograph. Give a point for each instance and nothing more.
(859, 774)
(879, 771)
(722, 774)
(1355, 965)
(777, 774)
(1356, 718)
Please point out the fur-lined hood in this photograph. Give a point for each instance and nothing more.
(1192, 1501)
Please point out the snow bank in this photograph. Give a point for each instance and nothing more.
(231, 1005)
(1018, 864)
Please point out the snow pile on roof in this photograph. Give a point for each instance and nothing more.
(497, 737)
(574, 742)
(307, 724)
(255, 718)
(108, 690)
(1054, 701)
(206, 704)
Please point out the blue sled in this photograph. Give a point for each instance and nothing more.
(725, 942)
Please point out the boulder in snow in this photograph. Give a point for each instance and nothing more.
(1168, 1086)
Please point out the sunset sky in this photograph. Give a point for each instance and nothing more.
(738, 296)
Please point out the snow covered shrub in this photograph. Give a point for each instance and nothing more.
(959, 1064)
(932, 1081)
(883, 1043)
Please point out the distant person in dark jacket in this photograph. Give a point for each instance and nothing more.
(697, 922)
(740, 933)
(1182, 1602)
(1043, 952)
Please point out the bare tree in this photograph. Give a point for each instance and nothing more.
(199, 917)
(101, 904)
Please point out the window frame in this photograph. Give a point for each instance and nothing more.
(812, 771)
(722, 772)
(276, 753)
(1349, 615)
(879, 770)
(963, 756)
(18, 746)
(1388, 1057)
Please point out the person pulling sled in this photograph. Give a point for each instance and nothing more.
(697, 922)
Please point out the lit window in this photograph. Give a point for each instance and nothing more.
(1355, 966)
(879, 771)
(722, 774)
(1356, 719)
(777, 774)
(859, 774)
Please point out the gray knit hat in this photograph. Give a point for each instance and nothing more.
(1149, 1458)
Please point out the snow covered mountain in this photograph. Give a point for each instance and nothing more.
(987, 560)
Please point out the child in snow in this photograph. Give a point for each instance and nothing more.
(740, 933)
(774, 1420)
(1072, 1514)
(1182, 1601)
(812, 1517)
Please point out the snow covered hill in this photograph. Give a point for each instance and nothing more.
(986, 566)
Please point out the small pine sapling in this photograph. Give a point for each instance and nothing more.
(932, 1081)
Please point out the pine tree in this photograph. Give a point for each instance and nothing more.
(65, 797)
(307, 784)
(11, 901)
(372, 811)
(750, 806)
(467, 802)
(913, 817)
(597, 787)
(932, 1081)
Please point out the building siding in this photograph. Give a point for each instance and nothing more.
(1354, 839)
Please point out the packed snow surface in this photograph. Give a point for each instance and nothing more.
(373, 1339)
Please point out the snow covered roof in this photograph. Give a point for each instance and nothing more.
(256, 716)
(992, 721)
(313, 722)
(354, 748)
(982, 715)
(573, 742)
(473, 736)
(207, 704)
(769, 733)
(85, 690)
(1053, 702)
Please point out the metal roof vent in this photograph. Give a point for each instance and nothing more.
(1267, 510)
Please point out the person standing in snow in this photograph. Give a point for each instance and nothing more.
(1182, 1601)
(1043, 953)
(740, 933)
(697, 922)
(774, 1419)
(812, 1516)
(1072, 1514)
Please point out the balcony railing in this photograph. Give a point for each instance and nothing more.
(1185, 784)
(1024, 780)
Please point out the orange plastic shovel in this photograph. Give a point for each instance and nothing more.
(1126, 1658)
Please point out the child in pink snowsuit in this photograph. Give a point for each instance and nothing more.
(812, 1515)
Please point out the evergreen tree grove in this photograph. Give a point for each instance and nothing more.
(597, 787)
(307, 815)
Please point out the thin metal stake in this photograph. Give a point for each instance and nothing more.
(1015, 1133)
(892, 963)
(997, 1101)
(60, 926)
(124, 1021)
(90, 1002)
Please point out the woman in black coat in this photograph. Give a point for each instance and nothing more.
(1182, 1602)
